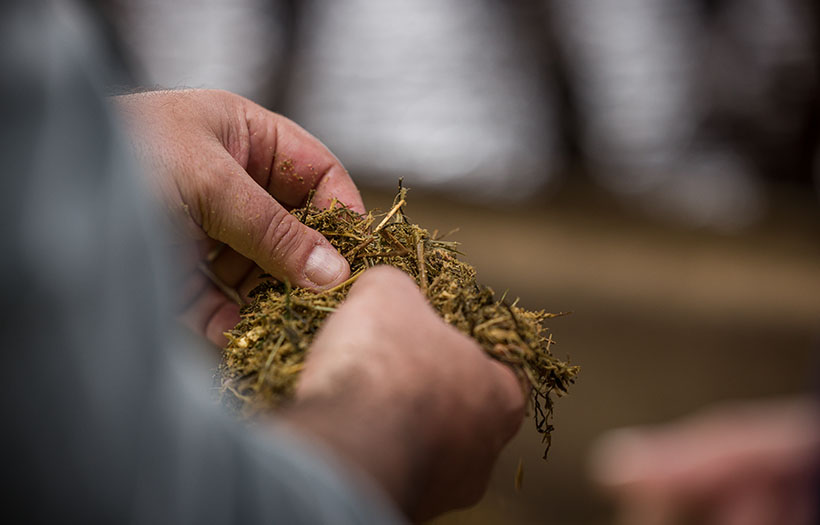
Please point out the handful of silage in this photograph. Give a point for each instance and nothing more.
(267, 349)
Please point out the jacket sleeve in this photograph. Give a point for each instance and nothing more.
(105, 410)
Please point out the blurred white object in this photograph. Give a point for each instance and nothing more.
(236, 45)
(683, 103)
(631, 66)
(443, 92)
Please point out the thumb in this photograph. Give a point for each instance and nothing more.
(240, 213)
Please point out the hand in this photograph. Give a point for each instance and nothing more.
(227, 170)
(739, 464)
(406, 397)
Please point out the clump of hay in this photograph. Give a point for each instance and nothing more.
(267, 349)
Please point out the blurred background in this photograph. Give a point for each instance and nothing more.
(650, 165)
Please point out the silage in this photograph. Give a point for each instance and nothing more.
(267, 348)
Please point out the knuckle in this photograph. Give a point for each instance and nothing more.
(282, 236)
(514, 410)
(507, 396)
(515, 416)
(383, 273)
(475, 492)
(388, 281)
(221, 94)
(204, 202)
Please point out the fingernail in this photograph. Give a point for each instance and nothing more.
(324, 266)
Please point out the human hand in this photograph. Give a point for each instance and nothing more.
(409, 399)
(751, 463)
(227, 171)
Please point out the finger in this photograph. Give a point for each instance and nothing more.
(752, 503)
(237, 272)
(250, 282)
(211, 314)
(510, 396)
(288, 162)
(387, 282)
(240, 213)
(229, 265)
(224, 317)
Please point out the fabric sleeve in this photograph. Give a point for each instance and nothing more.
(106, 416)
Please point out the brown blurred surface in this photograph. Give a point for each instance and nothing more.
(665, 320)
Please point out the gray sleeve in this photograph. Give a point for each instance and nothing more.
(100, 421)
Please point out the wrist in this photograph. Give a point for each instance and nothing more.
(378, 444)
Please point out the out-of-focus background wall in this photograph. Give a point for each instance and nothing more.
(648, 164)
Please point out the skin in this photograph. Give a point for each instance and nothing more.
(397, 393)
(414, 402)
(227, 171)
(750, 463)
